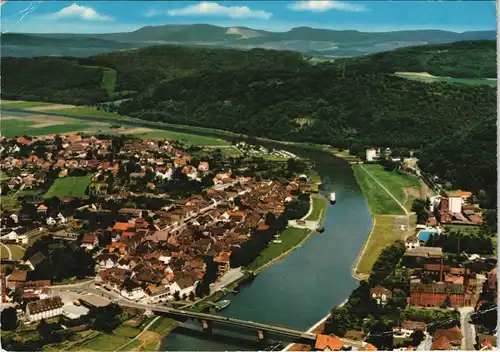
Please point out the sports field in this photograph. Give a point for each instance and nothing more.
(74, 186)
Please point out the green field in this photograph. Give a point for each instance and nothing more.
(231, 152)
(468, 81)
(319, 207)
(69, 187)
(15, 128)
(397, 182)
(382, 236)
(290, 238)
(26, 104)
(188, 138)
(379, 201)
(92, 112)
(109, 81)
(11, 202)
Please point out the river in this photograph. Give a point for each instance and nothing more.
(303, 287)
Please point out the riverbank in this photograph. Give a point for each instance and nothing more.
(389, 195)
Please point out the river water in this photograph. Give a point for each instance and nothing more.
(302, 288)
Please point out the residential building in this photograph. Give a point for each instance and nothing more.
(222, 262)
(44, 308)
(89, 241)
(371, 154)
(455, 203)
(439, 294)
(380, 294)
(328, 343)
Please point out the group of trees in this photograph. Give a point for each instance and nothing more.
(297, 208)
(421, 207)
(62, 260)
(456, 241)
(250, 250)
(386, 262)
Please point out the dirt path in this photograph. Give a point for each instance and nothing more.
(138, 335)
(52, 107)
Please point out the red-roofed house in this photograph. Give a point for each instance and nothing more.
(328, 343)
(222, 261)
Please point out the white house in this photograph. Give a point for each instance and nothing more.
(44, 308)
(61, 219)
(106, 260)
(160, 294)
(15, 218)
(51, 221)
(371, 154)
(186, 285)
(455, 203)
(89, 241)
(412, 242)
(132, 290)
(380, 294)
(164, 258)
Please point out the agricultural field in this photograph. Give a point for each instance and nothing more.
(403, 186)
(423, 77)
(74, 186)
(25, 104)
(188, 138)
(23, 127)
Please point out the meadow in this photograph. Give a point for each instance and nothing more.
(289, 238)
(188, 138)
(403, 186)
(379, 201)
(74, 186)
(433, 79)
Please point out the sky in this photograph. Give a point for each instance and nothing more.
(368, 16)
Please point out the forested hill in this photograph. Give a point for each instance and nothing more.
(82, 80)
(282, 96)
(468, 59)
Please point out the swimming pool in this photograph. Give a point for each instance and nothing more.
(425, 234)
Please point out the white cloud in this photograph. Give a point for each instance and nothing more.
(214, 9)
(325, 5)
(81, 12)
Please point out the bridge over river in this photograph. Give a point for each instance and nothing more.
(208, 319)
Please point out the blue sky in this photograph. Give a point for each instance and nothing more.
(373, 16)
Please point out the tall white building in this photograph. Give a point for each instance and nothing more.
(371, 154)
(455, 203)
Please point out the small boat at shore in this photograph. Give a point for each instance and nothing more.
(332, 198)
(222, 304)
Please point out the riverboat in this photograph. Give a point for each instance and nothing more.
(332, 198)
(222, 304)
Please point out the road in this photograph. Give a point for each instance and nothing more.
(228, 278)
(468, 329)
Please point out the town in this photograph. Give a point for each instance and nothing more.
(142, 220)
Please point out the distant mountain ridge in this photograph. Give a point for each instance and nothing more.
(325, 43)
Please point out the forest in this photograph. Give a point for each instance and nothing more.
(468, 59)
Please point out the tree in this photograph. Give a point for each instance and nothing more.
(381, 336)
(9, 319)
(177, 295)
(339, 322)
(417, 337)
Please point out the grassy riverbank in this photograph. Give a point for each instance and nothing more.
(319, 204)
(387, 214)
